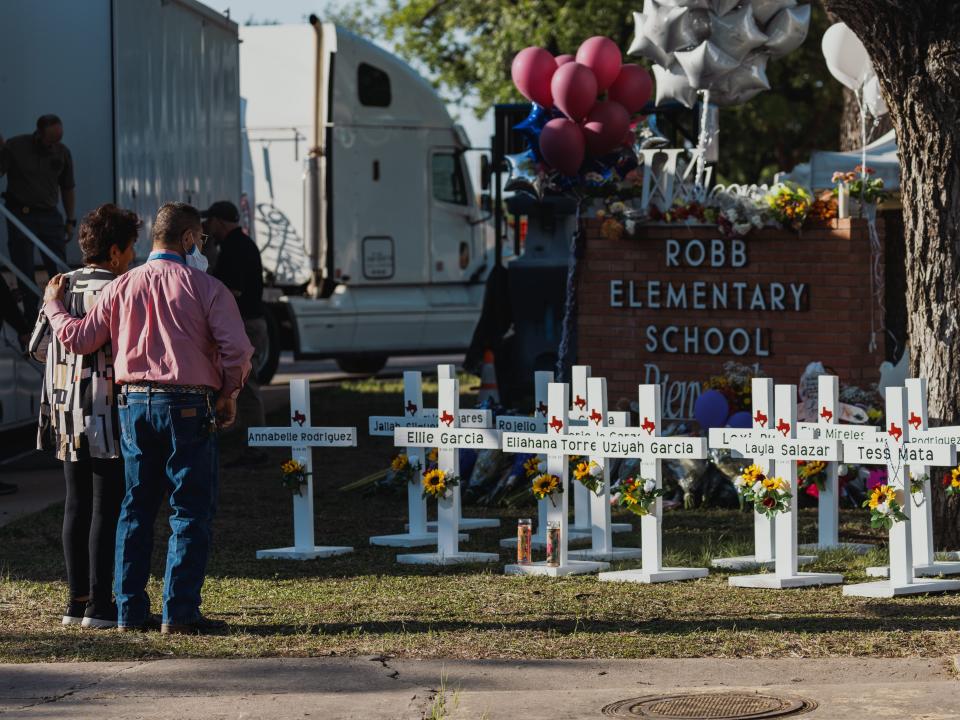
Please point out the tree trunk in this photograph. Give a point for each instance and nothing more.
(915, 48)
(850, 124)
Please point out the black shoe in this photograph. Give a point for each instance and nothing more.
(201, 626)
(151, 623)
(101, 617)
(73, 615)
(8, 489)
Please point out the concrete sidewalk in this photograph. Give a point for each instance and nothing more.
(390, 688)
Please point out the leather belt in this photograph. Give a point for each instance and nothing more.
(151, 387)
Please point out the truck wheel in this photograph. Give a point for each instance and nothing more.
(362, 364)
(271, 359)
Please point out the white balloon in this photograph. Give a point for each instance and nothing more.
(705, 64)
(873, 100)
(766, 9)
(737, 33)
(692, 29)
(788, 30)
(672, 84)
(847, 58)
(744, 83)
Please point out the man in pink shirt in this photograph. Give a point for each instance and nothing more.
(182, 355)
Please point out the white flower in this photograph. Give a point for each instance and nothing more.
(595, 470)
(883, 508)
(741, 228)
(842, 469)
(630, 226)
(617, 208)
(740, 482)
(757, 487)
(649, 486)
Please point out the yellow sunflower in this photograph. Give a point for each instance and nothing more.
(532, 466)
(814, 467)
(399, 463)
(882, 494)
(432, 455)
(774, 483)
(581, 471)
(435, 482)
(544, 485)
(752, 474)
(955, 477)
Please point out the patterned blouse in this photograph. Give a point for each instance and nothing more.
(77, 405)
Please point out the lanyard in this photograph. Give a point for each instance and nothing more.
(172, 257)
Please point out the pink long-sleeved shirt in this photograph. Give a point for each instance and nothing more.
(168, 323)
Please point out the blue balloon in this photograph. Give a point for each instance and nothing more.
(531, 126)
(742, 419)
(711, 409)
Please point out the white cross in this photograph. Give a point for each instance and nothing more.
(601, 541)
(784, 452)
(301, 438)
(902, 455)
(828, 427)
(651, 525)
(448, 439)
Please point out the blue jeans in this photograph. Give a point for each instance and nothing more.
(169, 446)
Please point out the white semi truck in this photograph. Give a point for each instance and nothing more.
(148, 91)
(369, 228)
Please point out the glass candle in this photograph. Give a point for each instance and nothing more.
(553, 544)
(524, 541)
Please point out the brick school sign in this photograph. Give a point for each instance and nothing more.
(673, 303)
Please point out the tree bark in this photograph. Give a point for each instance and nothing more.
(915, 48)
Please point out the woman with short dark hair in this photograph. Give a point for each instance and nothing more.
(78, 420)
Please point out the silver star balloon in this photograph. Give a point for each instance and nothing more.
(763, 10)
(692, 29)
(722, 7)
(694, 4)
(744, 83)
(788, 30)
(653, 27)
(524, 175)
(705, 64)
(672, 84)
(736, 33)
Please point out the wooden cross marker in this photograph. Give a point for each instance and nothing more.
(601, 541)
(558, 446)
(301, 438)
(828, 427)
(925, 563)
(415, 415)
(898, 453)
(784, 451)
(651, 526)
(764, 538)
(448, 439)
(536, 423)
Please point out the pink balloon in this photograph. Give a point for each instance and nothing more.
(574, 90)
(532, 70)
(632, 88)
(562, 145)
(606, 125)
(603, 57)
(563, 59)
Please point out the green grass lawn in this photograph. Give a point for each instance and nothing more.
(365, 603)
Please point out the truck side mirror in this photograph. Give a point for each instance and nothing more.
(486, 202)
(484, 172)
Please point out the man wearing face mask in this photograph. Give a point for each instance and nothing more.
(182, 356)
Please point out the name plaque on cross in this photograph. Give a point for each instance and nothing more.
(447, 439)
(301, 437)
(888, 450)
(384, 425)
(607, 442)
(785, 449)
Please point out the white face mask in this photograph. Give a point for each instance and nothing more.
(197, 259)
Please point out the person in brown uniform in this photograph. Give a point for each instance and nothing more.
(39, 170)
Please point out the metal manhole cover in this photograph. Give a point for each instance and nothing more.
(710, 706)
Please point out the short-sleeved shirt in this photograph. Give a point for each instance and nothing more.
(240, 269)
(36, 173)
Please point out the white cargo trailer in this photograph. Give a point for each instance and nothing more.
(367, 221)
(148, 91)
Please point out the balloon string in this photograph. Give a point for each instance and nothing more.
(570, 303)
(876, 272)
(703, 140)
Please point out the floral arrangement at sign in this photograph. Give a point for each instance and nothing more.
(951, 482)
(589, 474)
(546, 486)
(638, 494)
(402, 471)
(436, 483)
(789, 204)
(860, 185)
(813, 472)
(825, 207)
(769, 495)
(735, 384)
(293, 476)
(885, 508)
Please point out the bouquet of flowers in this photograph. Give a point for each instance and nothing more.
(546, 486)
(862, 187)
(293, 476)
(739, 208)
(734, 384)
(789, 204)
(590, 475)
(768, 495)
(825, 207)
(885, 509)
(951, 482)
(403, 471)
(810, 473)
(436, 483)
(638, 495)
